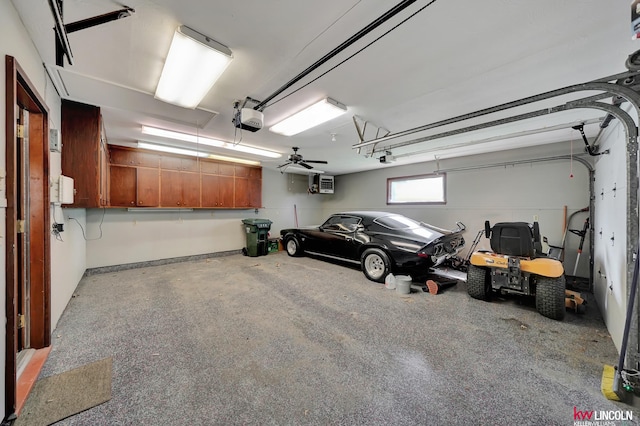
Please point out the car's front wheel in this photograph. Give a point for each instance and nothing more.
(375, 264)
(293, 246)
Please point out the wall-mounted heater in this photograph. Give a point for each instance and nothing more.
(321, 184)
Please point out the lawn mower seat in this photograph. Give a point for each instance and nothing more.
(513, 239)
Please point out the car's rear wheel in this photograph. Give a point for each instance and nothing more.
(375, 264)
(293, 246)
(550, 295)
(478, 283)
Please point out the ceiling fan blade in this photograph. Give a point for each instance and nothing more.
(283, 165)
(305, 165)
(316, 161)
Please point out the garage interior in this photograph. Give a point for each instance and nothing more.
(529, 111)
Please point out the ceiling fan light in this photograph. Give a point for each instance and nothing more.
(314, 115)
(193, 65)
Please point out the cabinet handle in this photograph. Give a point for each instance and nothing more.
(133, 202)
(139, 202)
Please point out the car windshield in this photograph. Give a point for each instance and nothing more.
(395, 221)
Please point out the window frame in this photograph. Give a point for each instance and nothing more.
(417, 177)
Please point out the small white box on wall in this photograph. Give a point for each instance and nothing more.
(66, 190)
(62, 191)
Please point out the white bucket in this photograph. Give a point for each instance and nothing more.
(403, 284)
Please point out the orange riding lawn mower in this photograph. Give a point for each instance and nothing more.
(519, 264)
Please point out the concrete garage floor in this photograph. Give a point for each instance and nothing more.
(280, 340)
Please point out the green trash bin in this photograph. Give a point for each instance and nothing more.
(257, 233)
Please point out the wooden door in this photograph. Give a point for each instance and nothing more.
(23, 246)
(27, 193)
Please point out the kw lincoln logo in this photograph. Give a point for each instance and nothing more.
(601, 418)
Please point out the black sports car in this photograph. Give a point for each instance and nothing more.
(380, 242)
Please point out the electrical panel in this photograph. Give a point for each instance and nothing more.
(55, 143)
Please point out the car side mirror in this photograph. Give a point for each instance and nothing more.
(461, 226)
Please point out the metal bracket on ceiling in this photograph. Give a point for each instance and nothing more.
(361, 129)
(62, 42)
(591, 150)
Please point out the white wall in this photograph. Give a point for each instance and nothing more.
(68, 263)
(610, 257)
(129, 237)
(511, 193)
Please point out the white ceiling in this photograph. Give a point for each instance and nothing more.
(452, 58)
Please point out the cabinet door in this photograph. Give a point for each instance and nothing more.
(123, 186)
(170, 189)
(217, 191)
(104, 174)
(210, 190)
(80, 129)
(179, 189)
(148, 187)
(226, 169)
(242, 171)
(241, 195)
(128, 157)
(255, 193)
(226, 187)
(179, 163)
(190, 189)
(209, 167)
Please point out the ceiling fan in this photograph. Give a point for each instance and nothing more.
(297, 159)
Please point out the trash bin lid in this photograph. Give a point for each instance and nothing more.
(259, 223)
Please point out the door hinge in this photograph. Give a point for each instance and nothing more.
(20, 226)
(20, 131)
(21, 323)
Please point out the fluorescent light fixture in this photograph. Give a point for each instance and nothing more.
(184, 137)
(318, 113)
(182, 151)
(301, 170)
(193, 65)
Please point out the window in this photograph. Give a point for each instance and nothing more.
(395, 221)
(423, 189)
(341, 223)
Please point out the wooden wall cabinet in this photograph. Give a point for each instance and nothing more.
(179, 189)
(85, 155)
(248, 187)
(185, 182)
(134, 186)
(129, 157)
(217, 191)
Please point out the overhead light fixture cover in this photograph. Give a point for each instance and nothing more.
(193, 65)
(192, 153)
(169, 134)
(318, 113)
